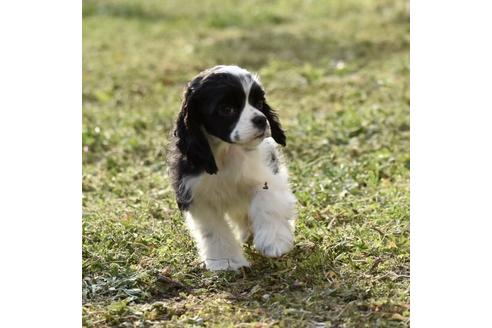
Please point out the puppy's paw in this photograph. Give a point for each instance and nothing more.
(229, 264)
(274, 243)
(276, 248)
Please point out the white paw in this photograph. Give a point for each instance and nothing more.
(274, 243)
(228, 264)
(277, 248)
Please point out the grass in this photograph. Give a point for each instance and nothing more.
(338, 74)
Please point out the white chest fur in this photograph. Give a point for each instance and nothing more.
(242, 173)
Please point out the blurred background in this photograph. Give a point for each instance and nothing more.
(337, 72)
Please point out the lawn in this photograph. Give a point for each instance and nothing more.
(338, 74)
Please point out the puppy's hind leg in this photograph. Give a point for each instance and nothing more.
(215, 240)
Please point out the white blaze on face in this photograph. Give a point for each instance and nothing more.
(245, 130)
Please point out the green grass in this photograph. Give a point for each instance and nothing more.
(338, 74)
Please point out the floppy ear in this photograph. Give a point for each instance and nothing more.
(277, 133)
(191, 140)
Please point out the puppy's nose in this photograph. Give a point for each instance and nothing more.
(259, 121)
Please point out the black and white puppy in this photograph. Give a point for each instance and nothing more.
(227, 171)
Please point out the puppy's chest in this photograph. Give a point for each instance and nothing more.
(236, 181)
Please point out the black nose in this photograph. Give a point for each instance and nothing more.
(259, 121)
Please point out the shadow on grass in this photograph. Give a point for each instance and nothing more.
(257, 49)
(220, 19)
(305, 284)
(123, 10)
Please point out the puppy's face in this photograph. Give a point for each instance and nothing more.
(230, 104)
(226, 102)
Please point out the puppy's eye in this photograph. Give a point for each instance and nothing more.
(226, 111)
(260, 103)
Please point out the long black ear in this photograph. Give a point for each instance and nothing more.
(277, 133)
(191, 140)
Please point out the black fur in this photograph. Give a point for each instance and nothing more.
(257, 99)
(213, 102)
(191, 141)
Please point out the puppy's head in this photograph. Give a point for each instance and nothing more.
(228, 103)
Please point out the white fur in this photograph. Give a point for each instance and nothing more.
(245, 131)
(228, 206)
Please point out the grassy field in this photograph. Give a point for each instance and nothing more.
(338, 74)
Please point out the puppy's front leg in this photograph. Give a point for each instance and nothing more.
(272, 215)
(215, 240)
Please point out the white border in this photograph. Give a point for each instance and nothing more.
(40, 165)
(451, 147)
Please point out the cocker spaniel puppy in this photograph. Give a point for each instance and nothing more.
(227, 170)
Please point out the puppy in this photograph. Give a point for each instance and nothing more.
(227, 170)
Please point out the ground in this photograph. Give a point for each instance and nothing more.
(337, 72)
